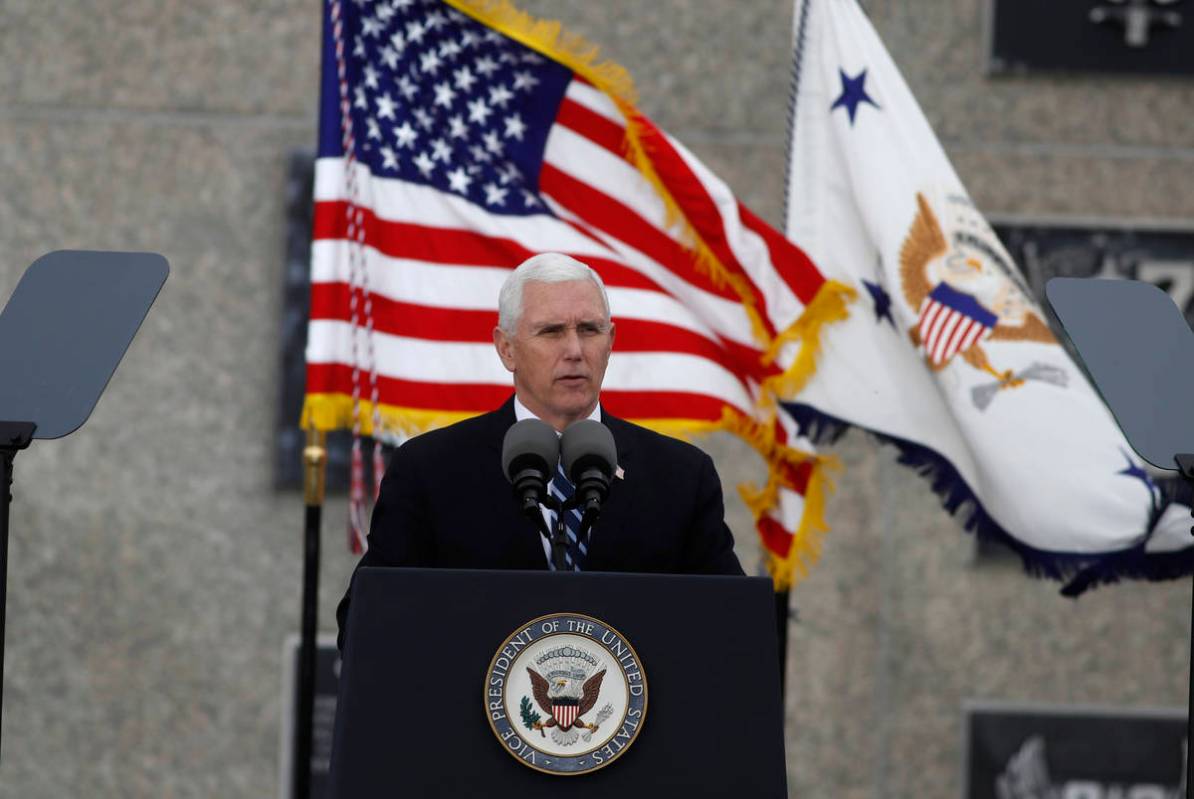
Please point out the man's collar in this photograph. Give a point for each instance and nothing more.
(522, 412)
(509, 413)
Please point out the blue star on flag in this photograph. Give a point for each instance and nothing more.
(1138, 473)
(882, 301)
(853, 94)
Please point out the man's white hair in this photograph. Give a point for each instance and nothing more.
(546, 267)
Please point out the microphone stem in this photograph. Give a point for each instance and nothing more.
(588, 519)
(556, 536)
(559, 543)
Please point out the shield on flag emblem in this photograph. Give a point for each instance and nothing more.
(950, 322)
(564, 709)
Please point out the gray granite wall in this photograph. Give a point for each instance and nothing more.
(154, 571)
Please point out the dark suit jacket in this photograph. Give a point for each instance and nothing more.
(445, 503)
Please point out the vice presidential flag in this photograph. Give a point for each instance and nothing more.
(459, 138)
(948, 355)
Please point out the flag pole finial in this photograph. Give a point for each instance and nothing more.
(314, 467)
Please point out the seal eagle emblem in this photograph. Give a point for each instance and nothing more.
(566, 694)
(965, 291)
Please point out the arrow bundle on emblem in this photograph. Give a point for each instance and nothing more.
(984, 394)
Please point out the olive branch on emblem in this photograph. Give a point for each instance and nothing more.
(529, 717)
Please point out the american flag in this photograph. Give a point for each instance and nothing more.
(459, 138)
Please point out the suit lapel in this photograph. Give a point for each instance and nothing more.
(498, 422)
(610, 542)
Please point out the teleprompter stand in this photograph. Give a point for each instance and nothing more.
(62, 334)
(1139, 352)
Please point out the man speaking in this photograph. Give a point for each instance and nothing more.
(445, 501)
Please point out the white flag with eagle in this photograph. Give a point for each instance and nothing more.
(947, 355)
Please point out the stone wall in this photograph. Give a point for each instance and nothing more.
(154, 569)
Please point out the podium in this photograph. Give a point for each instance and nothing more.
(429, 653)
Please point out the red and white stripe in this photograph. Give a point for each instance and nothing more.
(776, 525)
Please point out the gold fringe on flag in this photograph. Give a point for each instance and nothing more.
(334, 412)
(805, 547)
(828, 306)
(549, 38)
(806, 541)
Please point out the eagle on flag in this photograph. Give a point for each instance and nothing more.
(962, 296)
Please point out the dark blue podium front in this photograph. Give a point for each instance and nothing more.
(411, 719)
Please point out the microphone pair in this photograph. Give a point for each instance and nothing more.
(531, 450)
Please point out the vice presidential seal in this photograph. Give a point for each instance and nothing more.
(566, 694)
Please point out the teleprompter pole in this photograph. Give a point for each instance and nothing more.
(1185, 463)
(14, 436)
(314, 470)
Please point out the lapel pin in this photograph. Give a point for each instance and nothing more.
(620, 473)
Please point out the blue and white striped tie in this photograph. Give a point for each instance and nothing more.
(577, 550)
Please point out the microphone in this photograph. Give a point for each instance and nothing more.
(590, 457)
(529, 454)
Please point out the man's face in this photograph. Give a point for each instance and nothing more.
(559, 351)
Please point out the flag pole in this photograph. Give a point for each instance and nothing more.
(1185, 464)
(314, 469)
(782, 618)
(799, 33)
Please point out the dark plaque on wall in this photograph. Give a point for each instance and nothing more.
(1031, 752)
(1157, 253)
(1151, 37)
